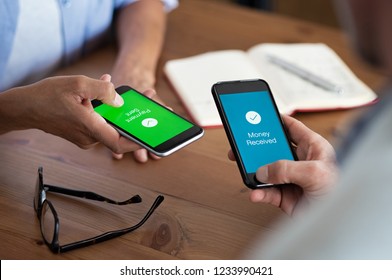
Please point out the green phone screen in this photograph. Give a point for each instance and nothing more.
(144, 119)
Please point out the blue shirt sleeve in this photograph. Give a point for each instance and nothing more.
(84, 32)
(169, 4)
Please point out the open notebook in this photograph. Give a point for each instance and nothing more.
(193, 77)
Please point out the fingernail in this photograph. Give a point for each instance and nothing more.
(118, 100)
(117, 156)
(144, 158)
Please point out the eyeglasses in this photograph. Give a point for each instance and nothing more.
(49, 221)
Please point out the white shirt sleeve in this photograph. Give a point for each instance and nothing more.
(170, 4)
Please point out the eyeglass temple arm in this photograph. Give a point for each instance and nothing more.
(112, 234)
(91, 195)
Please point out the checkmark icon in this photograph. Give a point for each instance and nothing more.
(149, 122)
(253, 117)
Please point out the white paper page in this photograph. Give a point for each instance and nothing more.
(302, 94)
(194, 76)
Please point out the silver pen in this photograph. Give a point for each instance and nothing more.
(305, 74)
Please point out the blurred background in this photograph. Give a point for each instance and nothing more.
(319, 11)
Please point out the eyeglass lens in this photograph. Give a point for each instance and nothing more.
(48, 223)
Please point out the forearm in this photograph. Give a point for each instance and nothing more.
(140, 33)
(14, 111)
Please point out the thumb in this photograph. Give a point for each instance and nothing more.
(312, 176)
(114, 99)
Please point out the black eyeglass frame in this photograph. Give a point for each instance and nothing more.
(54, 245)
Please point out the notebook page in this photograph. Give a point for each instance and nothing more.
(299, 94)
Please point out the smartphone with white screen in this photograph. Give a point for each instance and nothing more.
(253, 125)
(148, 123)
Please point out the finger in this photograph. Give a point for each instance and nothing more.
(284, 197)
(126, 146)
(152, 94)
(312, 176)
(106, 78)
(299, 133)
(141, 155)
(118, 100)
(117, 156)
(103, 90)
(153, 156)
(271, 196)
(310, 145)
(103, 132)
(231, 155)
(107, 135)
(290, 197)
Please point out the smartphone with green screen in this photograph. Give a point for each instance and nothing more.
(148, 123)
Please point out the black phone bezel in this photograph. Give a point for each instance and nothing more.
(167, 146)
(238, 86)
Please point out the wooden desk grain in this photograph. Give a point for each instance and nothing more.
(206, 213)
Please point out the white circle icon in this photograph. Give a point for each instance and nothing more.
(253, 117)
(149, 122)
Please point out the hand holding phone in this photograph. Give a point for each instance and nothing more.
(148, 123)
(253, 126)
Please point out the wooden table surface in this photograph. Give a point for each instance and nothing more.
(206, 213)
